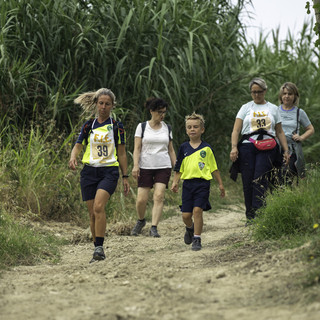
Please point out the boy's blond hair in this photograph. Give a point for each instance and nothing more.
(195, 116)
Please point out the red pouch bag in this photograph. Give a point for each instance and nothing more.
(263, 145)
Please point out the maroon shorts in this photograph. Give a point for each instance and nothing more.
(148, 177)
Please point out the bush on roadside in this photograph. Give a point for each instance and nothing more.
(21, 245)
(34, 174)
(290, 211)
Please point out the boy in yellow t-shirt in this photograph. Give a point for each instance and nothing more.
(196, 165)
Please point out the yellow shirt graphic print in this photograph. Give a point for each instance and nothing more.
(260, 120)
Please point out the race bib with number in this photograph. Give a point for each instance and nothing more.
(260, 120)
(102, 144)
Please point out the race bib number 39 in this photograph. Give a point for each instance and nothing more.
(101, 148)
(100, 151)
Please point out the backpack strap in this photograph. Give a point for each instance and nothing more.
(115, 132)
(169, 129)
(296, 131)
(87, 129)
(143, 128)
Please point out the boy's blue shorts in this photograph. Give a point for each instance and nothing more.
(195, 193)
(94, 178)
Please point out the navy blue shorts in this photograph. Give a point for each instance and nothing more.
(148, 177)
(195, 193)
(94, 178)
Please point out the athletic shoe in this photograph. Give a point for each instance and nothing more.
(138, 227)
(188, 235)
(98, 254)
(154, 232)
(196, 244)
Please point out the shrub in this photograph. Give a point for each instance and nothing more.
(290, 210)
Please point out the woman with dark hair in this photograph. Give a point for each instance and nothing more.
(259, 122)
(292, 119)
(153, 159)
(105, 152)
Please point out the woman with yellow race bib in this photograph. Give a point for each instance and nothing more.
(105, 152)
(259, 122)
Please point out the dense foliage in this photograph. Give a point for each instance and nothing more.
(192, 53)
(185, 51)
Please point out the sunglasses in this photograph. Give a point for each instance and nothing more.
(257, 92)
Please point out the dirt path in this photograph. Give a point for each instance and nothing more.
(148, 278)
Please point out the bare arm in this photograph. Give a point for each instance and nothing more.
(216, 175)
(172, 154)
(308, 133)
(175, 182)
(136, 156)
(74, 154)
(283, 141)
(234, 139)
(122, 158)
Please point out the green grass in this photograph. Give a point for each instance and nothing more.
(290, 211)
(291, 219)
(20, 245)
(34, 173)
